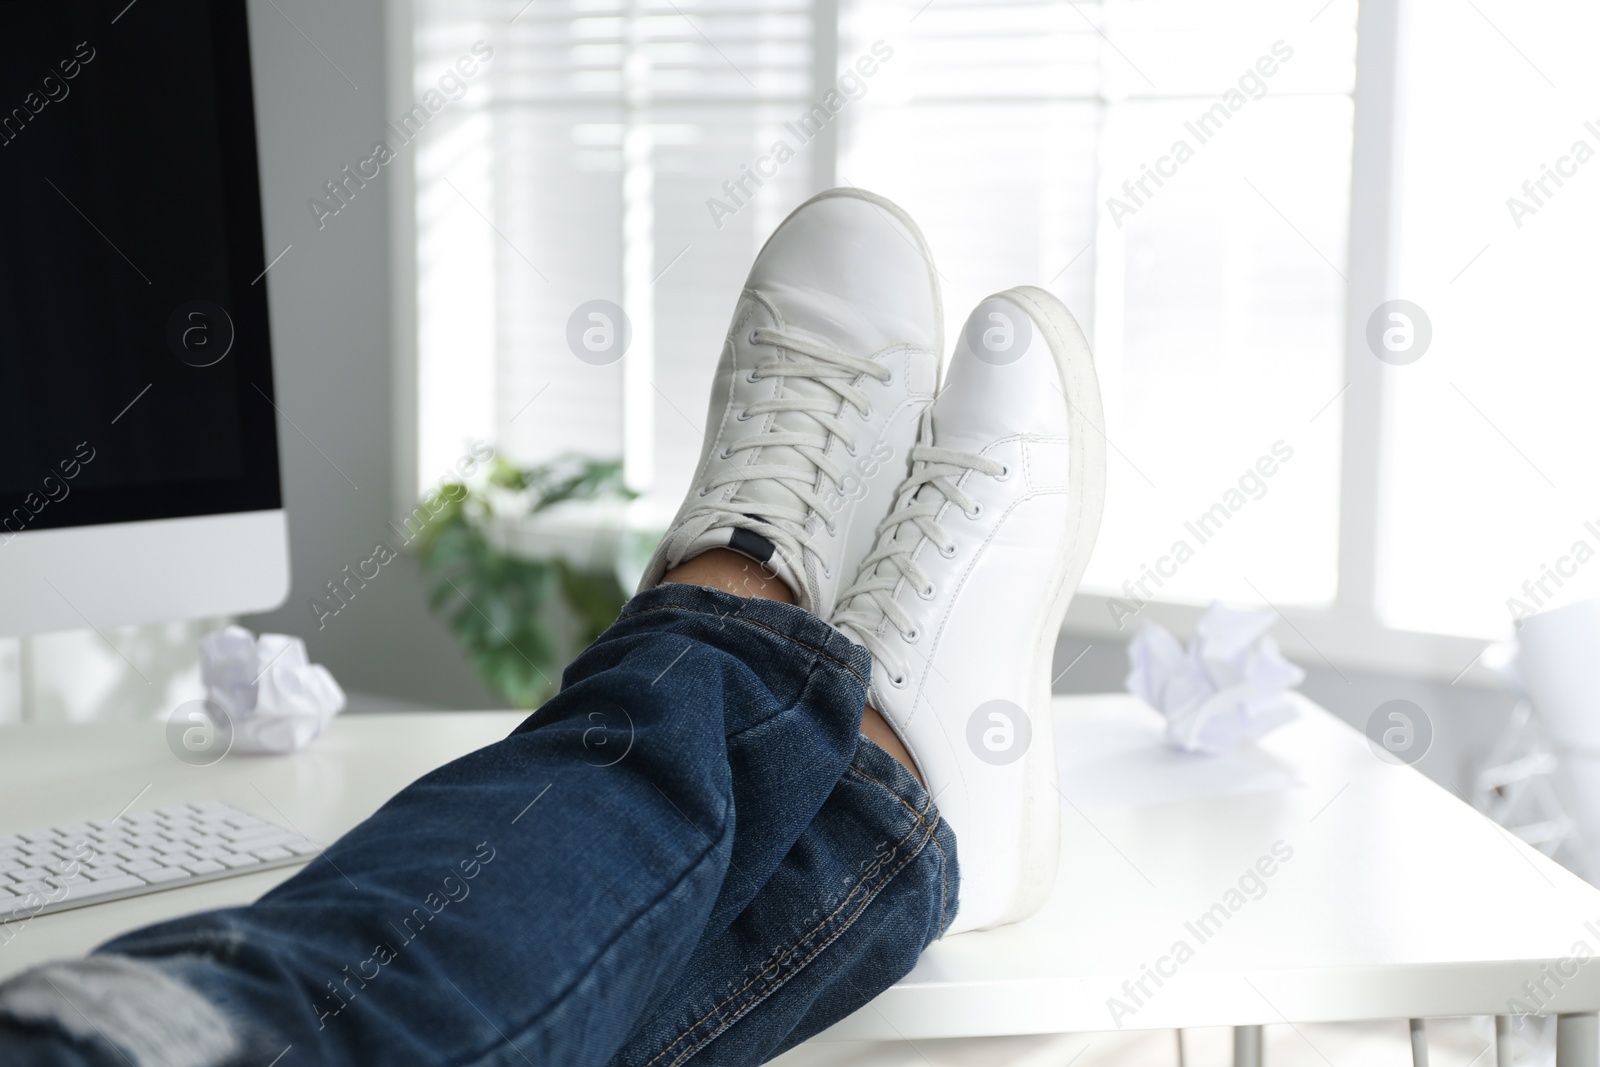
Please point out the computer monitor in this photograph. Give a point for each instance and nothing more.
(138, 442)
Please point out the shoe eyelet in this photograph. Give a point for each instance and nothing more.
(977, 510)
(927, 594)
(950, 554)
(850, 450)
(753, 337)
(743, 416)
(911, 638)
(867, 414)
(751, 378)
(899, 682)
(705, 490)
(727, 453)
(1005, 473)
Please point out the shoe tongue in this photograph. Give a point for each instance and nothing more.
(769, 491)
(987, 397)
(964, 414)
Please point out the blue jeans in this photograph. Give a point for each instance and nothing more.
(691, 853)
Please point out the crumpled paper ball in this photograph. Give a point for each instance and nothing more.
(1230, 686)
(276, 699)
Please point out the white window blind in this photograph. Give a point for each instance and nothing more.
(1215, 307)
(599, 132)
(592, 146)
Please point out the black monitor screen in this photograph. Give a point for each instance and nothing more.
(135, 376)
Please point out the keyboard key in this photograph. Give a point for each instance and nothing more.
(138, 853)
(274, 853)
(81, 894)
(303, 847)
(35, 836)
(76, 879)
(235, 861)
(164, 874)
(101, 874)
(260, 841)
(11, 841)
(204, 867)
(140, 866)
(24, 888)
(248, 832)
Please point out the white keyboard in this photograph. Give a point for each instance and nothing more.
(106, 859)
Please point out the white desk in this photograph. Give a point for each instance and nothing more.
(1398, 901)
(55, 775)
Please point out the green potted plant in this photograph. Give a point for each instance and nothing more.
(523, 589)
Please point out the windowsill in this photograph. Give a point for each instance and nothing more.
(594, 533)
(1312, 637)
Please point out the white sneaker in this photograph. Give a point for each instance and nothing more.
(963, 596)
(831, 360)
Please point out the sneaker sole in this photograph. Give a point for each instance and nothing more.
(1041, 851)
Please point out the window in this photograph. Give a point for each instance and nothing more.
(1179, 172)
(1489, 494)
(578, 169)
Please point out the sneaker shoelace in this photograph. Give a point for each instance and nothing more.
(786, 525)
(865, 606)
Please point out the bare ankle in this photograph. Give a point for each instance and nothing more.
(731, 572)
(876, 727)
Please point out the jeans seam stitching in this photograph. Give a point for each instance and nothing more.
(817, 950)
(784, 956)
(944, 880)
(886, 787)
(944, 884)
(759, 625)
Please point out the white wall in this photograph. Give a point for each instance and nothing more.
(331, 335)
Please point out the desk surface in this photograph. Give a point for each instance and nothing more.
(1398, 900)
(1388, 897)
(58, 774)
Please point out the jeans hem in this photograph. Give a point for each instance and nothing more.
(873, 765)
(783, 620)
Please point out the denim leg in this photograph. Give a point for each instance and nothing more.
(520, 904)
(868, 886)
